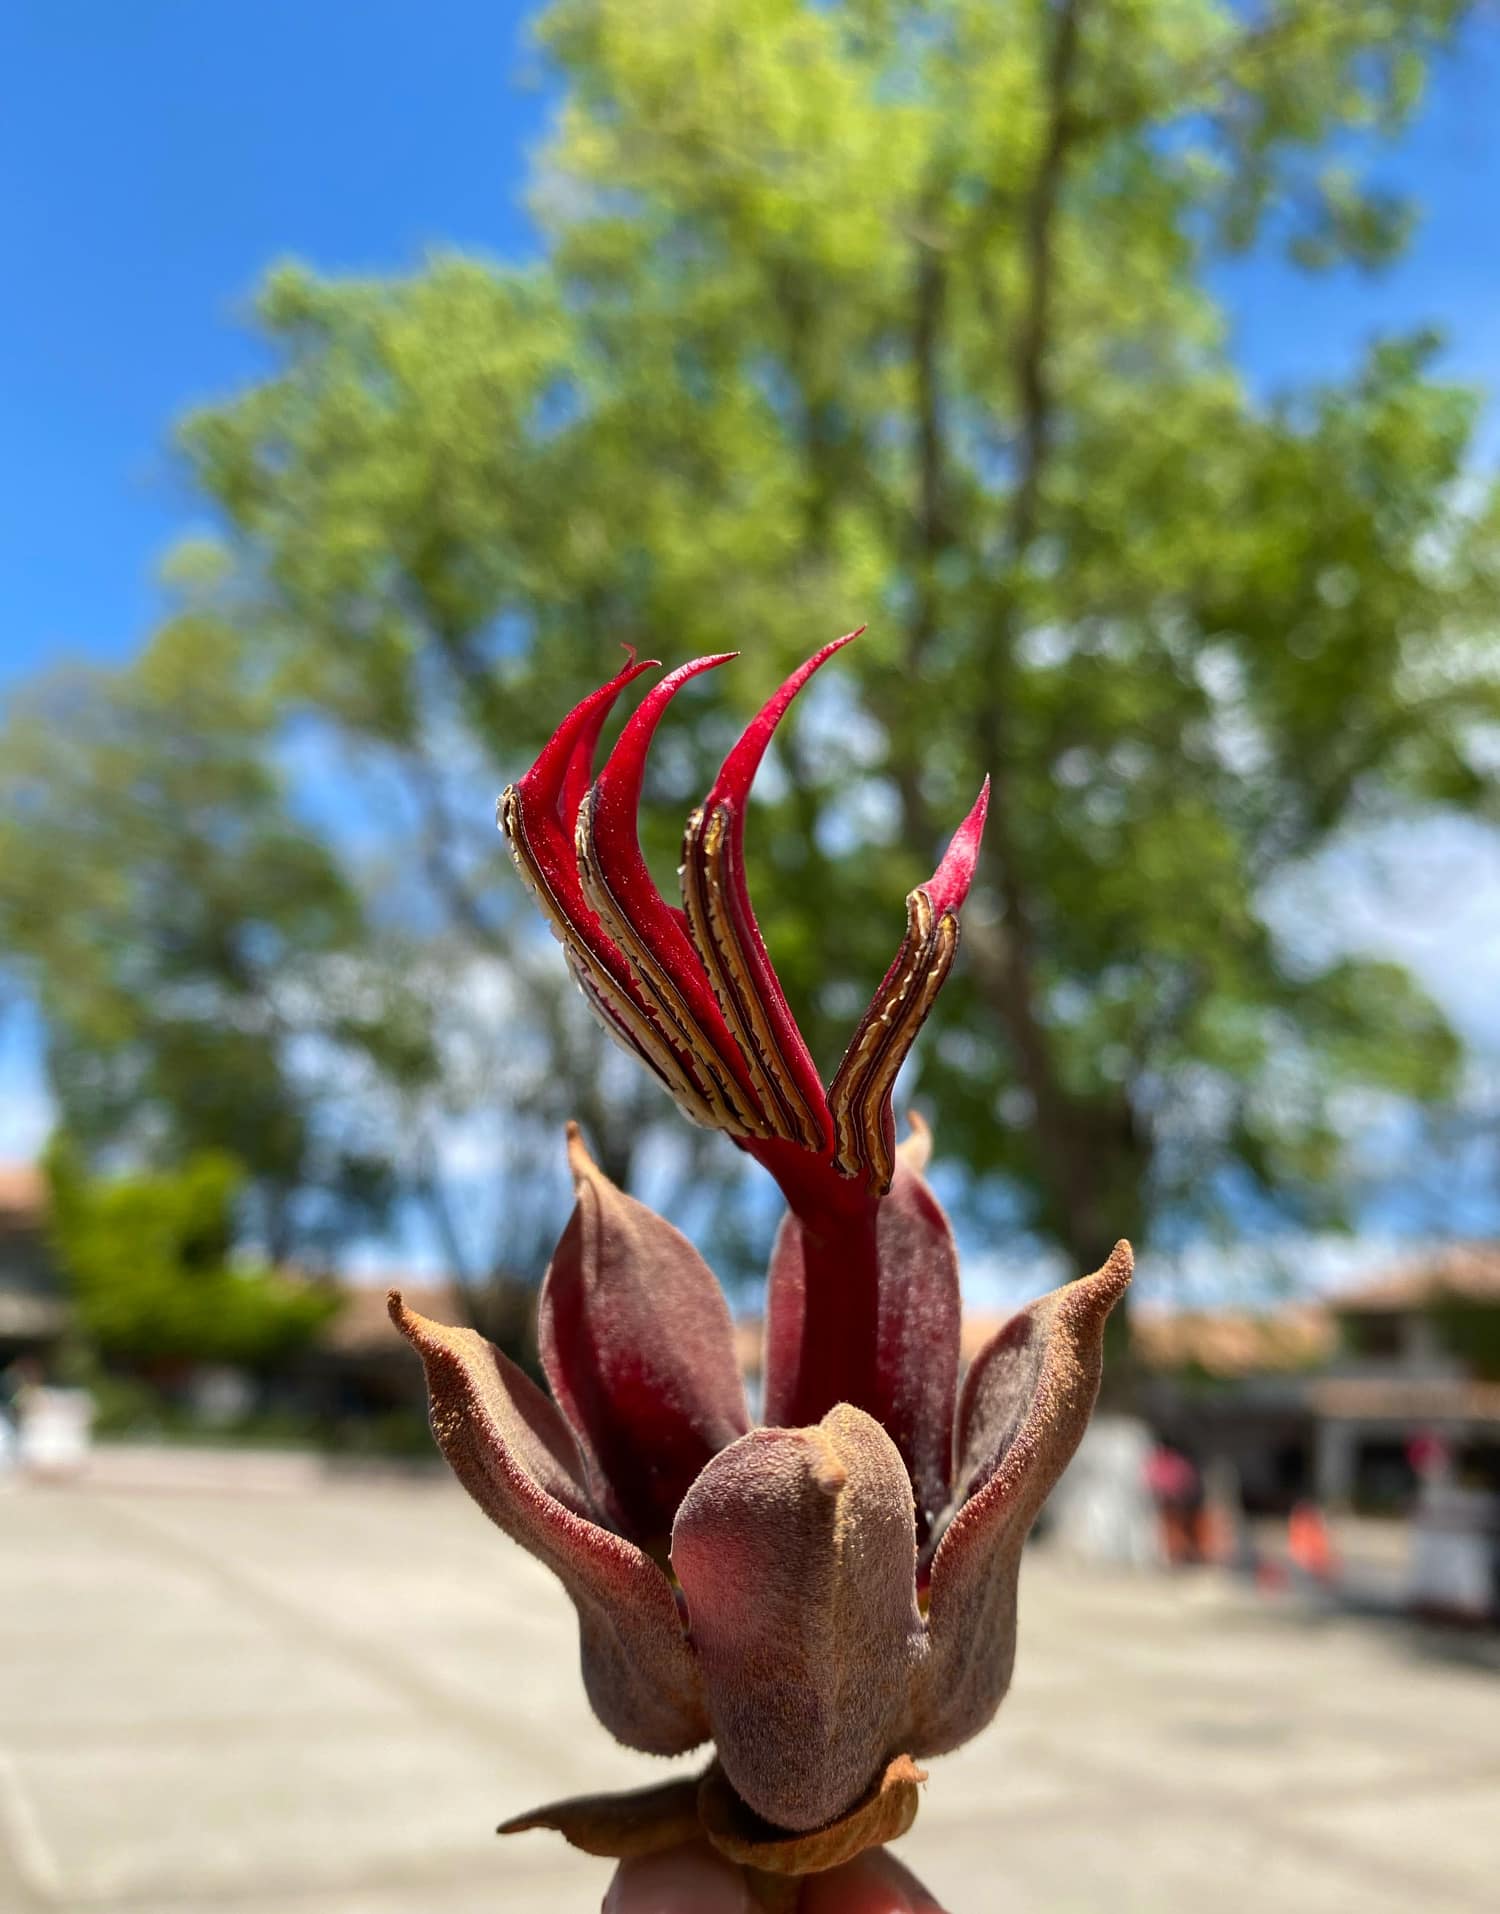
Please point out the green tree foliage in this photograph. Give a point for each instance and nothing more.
(905, 314)
(902, 313)
(201, 961)
(148, 1260)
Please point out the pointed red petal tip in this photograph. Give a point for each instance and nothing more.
(624, 769)
(565, 767)
(738, 770)
(949, 884)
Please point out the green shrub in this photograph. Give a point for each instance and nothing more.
(150, 1265)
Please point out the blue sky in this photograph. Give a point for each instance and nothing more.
(157, 155)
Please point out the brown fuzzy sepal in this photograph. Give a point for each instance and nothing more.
(621, 1826)
(883, 1814)
(648, 1820)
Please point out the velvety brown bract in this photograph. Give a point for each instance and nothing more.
(641, 1821)
(798, 1643)
(1026, 1402)
(796, 1551)
(512, 1451)
(638, 1346)
(919, 1325)
(623, 1825)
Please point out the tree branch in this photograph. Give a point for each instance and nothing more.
(1039, 243)
(932, 524)
(1072, 1134)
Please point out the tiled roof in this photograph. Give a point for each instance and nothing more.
(1215, 1342)
(1403, 1399)
(23, 1193)
(747, 1344)
(32, 1307)
(1235, 1342)
(1220, 1344)
(1466, 1272)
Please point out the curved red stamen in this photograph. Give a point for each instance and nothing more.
(538, 815)
(652, 933)
(555, 784)
(580, 771)
(737, 772)
(618, 793)
(722, 922)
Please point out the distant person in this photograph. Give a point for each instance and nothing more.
(1177, 1490)
(1224, 1533)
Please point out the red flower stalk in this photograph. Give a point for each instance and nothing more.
(836, 1588)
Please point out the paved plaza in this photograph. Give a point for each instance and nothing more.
(319, 1698)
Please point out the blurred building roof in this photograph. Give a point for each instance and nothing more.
(1228, 1343)
(1399, 1399)
(23, 1194)
(748, 1344)
(1218, 1344)
(32, 1308)
(1465, 1272)
(1234, 1342)
(1231, 1344)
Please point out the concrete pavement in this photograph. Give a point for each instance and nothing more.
(320, 1699)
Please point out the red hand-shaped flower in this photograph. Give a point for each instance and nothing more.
(838, 1587)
